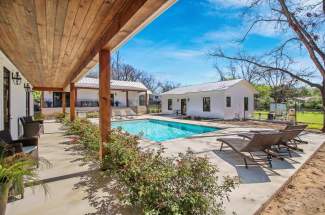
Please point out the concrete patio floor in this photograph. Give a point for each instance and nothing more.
(74, 190)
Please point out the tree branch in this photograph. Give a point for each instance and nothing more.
(221, 55)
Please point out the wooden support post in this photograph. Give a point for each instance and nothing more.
(64, 103)
(105, 109)
(42, 102)
(146, 101)
(72, 102)
(127, 98)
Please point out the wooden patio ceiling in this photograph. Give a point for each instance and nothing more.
(55, 42)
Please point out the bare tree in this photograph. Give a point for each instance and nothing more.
(303, 22)
(168, 85)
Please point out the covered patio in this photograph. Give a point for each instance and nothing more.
(54, 43)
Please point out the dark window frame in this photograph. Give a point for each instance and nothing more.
(206, 103)
(170, 104)
(228, 101)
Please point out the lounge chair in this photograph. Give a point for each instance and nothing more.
(118, 114)
(258, 143)
(28, 145)
(129, 114)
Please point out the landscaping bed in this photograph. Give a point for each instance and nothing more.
(305, 194)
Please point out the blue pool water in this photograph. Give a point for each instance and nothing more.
(159, 130)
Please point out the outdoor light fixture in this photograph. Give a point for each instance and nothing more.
(188, 99)
(27, 87)
(16, 78)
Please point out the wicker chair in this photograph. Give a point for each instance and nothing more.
(31, 128)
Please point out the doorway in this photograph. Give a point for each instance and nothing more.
(6, 99)
(183, 106)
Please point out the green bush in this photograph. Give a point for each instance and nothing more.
(92, 114)
(153, 183)
(162, 185)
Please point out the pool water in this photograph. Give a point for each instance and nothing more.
(159, 130)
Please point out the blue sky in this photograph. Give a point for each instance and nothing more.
(175, 45)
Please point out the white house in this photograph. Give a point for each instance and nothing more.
(124, 94)
(232, 99)
(15, 98)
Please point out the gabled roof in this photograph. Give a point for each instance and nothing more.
(205, 87)
(115, 84)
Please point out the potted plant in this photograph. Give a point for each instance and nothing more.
(15, 170)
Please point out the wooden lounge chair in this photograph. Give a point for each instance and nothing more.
(258, 143)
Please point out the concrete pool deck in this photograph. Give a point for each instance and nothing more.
(85, 194)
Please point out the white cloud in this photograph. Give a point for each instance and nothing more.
(229, 3)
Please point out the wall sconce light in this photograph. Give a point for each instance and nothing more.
(177, 100)
(27, 87)
(188, 99)
(16, 78)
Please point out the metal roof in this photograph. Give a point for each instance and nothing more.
(115, 84)
(205, 87)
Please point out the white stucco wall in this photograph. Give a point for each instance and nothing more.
(17, 98)
(218, 107)
(237, 93)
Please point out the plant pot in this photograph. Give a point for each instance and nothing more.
(4, 190)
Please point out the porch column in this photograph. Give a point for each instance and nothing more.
(146, 100)
(127, 98)
(72, 102)
(64, 104)
(105, 109)
(42, 102)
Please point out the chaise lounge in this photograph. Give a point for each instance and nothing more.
(258, 143)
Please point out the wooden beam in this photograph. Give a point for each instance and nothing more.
(104, 99)
(64, 104)
(146, 101)
(127, 98)
(72, 102)
(53, 89)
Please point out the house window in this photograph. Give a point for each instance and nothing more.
(206, 104)
(246, 103)
(228, 101)
(170, 104)
(57, 99)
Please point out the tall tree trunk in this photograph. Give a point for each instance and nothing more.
(323, 99)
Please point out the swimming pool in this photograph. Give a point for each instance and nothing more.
(159, 130)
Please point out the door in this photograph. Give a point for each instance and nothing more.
(245, 106)
(183, 106)
(6, 99)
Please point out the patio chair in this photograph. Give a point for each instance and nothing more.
(28, 145)
(258, 143)
(31, 128)
(287, 140)
(28, 119)
(129, 114)
(117, 114)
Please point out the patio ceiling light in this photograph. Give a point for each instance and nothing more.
(16, 78)
(27, 87)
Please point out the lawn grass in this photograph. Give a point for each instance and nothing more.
(313, 119)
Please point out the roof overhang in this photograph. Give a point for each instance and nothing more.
(54, 43)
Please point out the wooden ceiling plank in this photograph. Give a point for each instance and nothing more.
(61, 14)
(89, 21)
(104, 15)
(70, 17)
(118, 21)
(51, 6)
(95, 32)
(40, 7)
(33, 44)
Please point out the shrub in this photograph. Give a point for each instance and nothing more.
(153, 183)
(162, 185)
(92, 114)
(60, 116)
